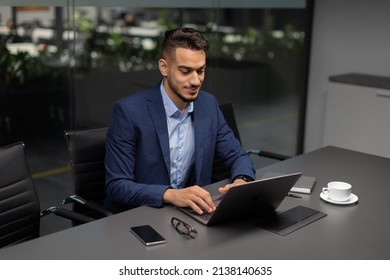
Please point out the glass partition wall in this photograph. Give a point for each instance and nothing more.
(63, 65)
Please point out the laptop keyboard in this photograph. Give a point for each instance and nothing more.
(205, 216)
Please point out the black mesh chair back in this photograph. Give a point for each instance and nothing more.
(221, 171)
(86, 156)
(230, 118)
(19, 204)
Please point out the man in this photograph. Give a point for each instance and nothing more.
(162, 141)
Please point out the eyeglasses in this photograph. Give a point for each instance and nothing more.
(183, 228)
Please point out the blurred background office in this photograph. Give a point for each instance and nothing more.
(63, 66)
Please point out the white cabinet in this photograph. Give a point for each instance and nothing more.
(358, 117)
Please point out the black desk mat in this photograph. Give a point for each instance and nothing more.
(290, 220)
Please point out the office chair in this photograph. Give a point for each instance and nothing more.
(19, 205)
(86, 149)
(221, 171)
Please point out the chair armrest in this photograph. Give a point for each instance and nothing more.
(89, 204)
(267, 154)
(66, 213)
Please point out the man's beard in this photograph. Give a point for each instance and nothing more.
(178, 94)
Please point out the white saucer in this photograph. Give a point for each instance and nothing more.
(352, 199)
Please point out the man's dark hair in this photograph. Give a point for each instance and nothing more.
(184, 37)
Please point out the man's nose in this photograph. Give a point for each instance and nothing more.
(195, 79)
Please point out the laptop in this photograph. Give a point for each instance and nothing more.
(254, 199)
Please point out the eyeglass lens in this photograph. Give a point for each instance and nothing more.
(183, 227)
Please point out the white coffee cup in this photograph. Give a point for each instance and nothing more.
(338, 191)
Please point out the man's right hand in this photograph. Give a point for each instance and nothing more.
(195, 197)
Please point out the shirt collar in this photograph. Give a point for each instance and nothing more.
(170, 107)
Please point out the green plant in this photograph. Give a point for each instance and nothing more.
(23, 68)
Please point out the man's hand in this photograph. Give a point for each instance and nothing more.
(228, 186)
(195, 197)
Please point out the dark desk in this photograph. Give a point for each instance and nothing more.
(348, 232)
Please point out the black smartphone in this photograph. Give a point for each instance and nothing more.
(148, 235)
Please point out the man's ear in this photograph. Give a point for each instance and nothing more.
(162, 65)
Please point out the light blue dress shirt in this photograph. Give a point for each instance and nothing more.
(181, 133)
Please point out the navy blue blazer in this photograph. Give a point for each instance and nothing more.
(137, 149)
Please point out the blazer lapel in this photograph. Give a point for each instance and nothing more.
(157, 113)
(199, 132)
